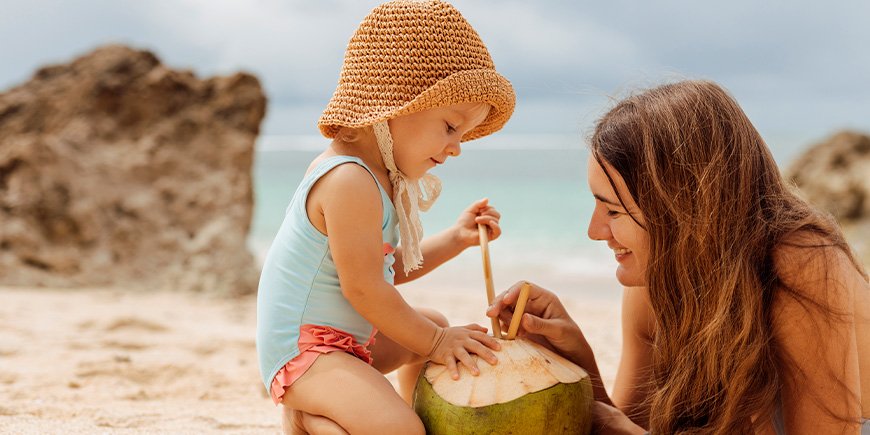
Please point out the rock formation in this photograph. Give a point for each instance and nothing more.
(835, 175)
(118, 171)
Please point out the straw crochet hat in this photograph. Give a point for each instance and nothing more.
(408, 56)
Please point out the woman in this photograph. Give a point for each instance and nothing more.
(744, 309)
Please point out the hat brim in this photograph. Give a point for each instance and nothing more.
(472, 86)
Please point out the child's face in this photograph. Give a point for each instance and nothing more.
(611, 223)
(425, 139)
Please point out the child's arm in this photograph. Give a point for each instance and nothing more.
(350, 205)
(451, 242)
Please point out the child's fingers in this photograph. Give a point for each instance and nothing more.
(486, 219)
(452, 368)
(488, 340)
(482, 351)
(475, 327)
(490, 211)
(476, 206)
(465, 358)
(493, 228)
(494, 231)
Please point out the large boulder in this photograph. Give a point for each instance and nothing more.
(834, 174)
(116, 170)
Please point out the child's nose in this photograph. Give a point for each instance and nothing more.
(453, 149)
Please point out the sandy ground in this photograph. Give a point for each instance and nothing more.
(111, 361)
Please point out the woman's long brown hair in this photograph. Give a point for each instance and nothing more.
(715, 207)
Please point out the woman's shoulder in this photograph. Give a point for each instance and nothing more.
(817, 269)
(805, 255)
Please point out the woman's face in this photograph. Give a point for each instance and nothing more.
(611, 223)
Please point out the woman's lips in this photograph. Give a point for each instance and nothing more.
(621, 254)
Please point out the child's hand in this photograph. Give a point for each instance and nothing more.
(458, 343)
(480, 212)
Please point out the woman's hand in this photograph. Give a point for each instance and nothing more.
(545, 321)
(479, 212)
(611, 421)
(456, 344)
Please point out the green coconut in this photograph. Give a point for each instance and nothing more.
(531, 390)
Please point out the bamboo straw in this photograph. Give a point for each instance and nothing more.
(518, 311)
(487, 276)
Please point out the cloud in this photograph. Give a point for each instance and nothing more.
(796, 64)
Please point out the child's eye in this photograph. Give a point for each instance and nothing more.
(450, 128)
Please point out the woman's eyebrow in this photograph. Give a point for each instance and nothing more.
(605, 200)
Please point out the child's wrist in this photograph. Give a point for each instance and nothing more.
(436, 340)
(457, 239)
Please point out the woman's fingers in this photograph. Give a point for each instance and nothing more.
(536, 325)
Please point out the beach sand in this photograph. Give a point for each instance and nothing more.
(115, 361)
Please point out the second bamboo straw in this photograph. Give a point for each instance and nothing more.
(487, 275)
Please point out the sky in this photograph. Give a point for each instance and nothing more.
(800, 69)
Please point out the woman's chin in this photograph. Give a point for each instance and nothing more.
(629, 277)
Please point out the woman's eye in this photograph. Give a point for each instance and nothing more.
(612, 213)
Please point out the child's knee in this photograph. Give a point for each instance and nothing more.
(434, 316)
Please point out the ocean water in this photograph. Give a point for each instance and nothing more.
(537, 182)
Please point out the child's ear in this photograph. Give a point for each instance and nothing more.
(350, 135)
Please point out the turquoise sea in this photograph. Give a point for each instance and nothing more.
(538, 182)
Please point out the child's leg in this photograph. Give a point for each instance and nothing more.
(301, 423)
(389, 355)
(353, 395)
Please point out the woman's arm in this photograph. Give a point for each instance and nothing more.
(815, 332)
(449, 243)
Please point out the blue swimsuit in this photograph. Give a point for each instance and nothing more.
(299, 284)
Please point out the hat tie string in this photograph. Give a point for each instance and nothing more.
(409, 197)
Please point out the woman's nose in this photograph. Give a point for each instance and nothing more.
(598, 228)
